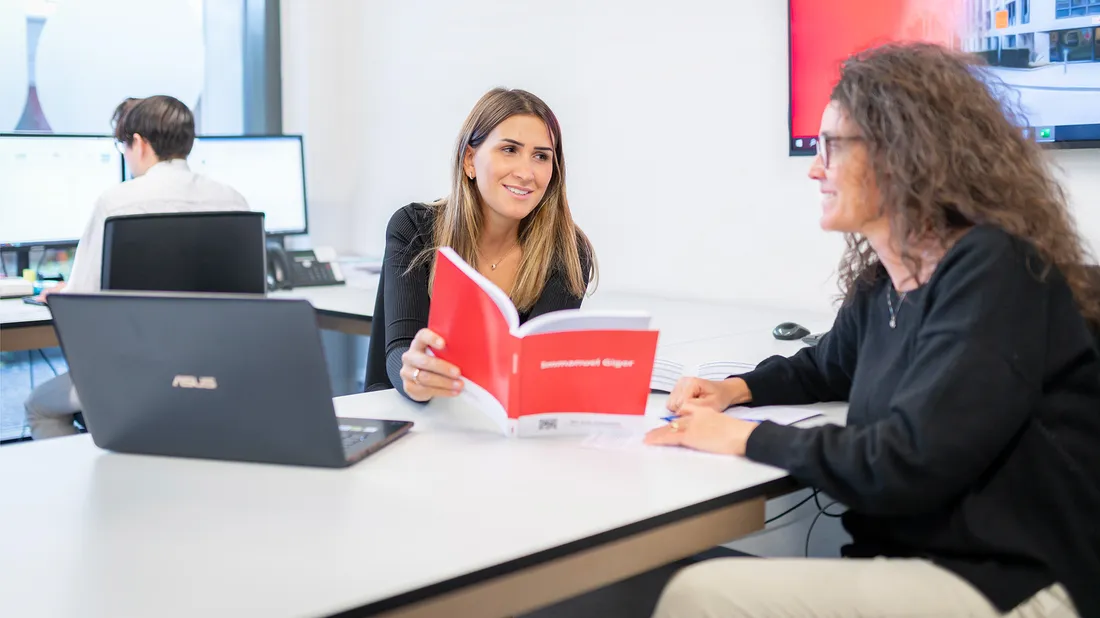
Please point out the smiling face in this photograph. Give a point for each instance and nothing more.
(513, 166)
(849, 197)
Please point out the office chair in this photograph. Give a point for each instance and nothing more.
(216, 252)
(377, 379)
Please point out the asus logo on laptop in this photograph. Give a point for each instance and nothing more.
(205, 382)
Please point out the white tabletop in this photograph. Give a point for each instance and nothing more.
(749, 348)
(354, 301)
(100, 534)
(689, 320)
(15, 312)
(679, 320)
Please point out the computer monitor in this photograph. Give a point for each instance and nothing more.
(1046, 53)
(49, 185)
(268, 171)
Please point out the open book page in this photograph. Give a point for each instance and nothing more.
(667, 373)
(482, 400)
(499, 296)
(721, 370)
(580, 319)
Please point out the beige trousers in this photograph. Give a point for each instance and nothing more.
(880, 587)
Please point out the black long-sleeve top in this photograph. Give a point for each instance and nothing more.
(973, 431)
(406, 295)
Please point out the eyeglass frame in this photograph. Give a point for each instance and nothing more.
(121, 146)
(823, 148)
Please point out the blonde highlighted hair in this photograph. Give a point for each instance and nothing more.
(547, 236)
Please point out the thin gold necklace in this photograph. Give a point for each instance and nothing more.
(493, 265)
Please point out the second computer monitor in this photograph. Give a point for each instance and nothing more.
(267, 171)
(49, 185)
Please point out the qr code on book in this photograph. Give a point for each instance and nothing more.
(548, 424)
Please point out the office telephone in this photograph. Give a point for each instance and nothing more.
(300, 268)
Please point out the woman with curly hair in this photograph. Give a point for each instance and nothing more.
(970, 462)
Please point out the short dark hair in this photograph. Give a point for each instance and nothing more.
(163, 121)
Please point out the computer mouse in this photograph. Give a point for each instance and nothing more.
(789, 331)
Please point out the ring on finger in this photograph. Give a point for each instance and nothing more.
(675, 425)
(416, 375)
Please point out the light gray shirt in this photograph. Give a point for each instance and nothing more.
(167, 187)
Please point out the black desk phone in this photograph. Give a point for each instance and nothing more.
(299, 269)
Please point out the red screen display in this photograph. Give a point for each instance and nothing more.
(1047, 53)
(824, 33)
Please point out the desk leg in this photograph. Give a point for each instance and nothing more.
(588, 570)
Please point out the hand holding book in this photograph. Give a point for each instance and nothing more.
(562, 372)
(423, 374)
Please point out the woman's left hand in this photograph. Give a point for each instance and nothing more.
(703, 429)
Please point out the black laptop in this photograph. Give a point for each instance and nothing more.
(239, 378)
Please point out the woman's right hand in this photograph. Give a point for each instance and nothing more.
(424, 376)
(706, 393)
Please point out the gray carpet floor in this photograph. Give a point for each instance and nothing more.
(17, 374)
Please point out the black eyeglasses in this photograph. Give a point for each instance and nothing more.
(825, 146)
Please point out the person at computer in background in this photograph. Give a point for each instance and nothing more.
(507, 215)
(971, 457)
(155, 136)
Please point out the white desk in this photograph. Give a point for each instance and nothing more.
(344, 308)
(742, 347)
(25, 327)
(348, 309)
(452, 520)
(687, 320)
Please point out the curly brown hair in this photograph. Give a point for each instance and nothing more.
(947, 152)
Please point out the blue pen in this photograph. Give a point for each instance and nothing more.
(669, 419)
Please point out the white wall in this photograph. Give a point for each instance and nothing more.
(323, 85)
(223, 91)
(674, 118)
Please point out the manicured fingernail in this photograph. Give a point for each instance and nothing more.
(456, 385)
(454, 372)
(439, 343)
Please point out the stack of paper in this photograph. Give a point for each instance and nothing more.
(780, 415)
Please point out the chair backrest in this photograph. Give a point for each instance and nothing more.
(216, 252)
(377, 378)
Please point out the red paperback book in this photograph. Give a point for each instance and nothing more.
(565, 372)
